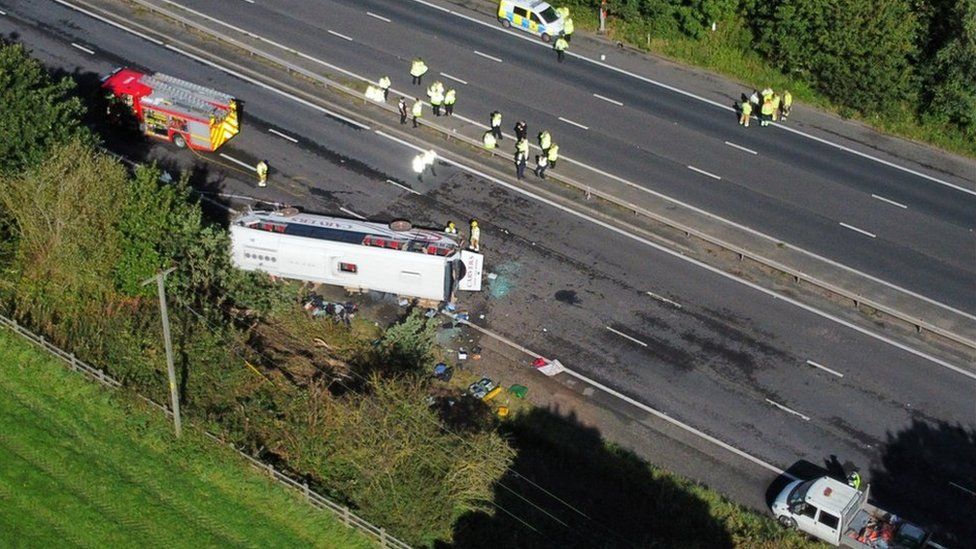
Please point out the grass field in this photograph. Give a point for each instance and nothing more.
(81, 466)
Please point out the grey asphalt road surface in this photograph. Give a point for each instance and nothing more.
(796, 189)
(730, 361)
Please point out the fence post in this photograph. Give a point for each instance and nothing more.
(74, 362)
(271, 470)
(383, 540)
(305, 487)
(345, 515)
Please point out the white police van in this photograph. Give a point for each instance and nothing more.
(533, 16)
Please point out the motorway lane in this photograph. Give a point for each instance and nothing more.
(796, 195)
(350, 145)
(711, 363)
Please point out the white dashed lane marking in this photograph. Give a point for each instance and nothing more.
(740, 147)
(824, 368)
(703, 172)
(279, 134)
(404, 187)
(608, 100)
(664, 299)
(343, 36)
(83, 48)
(486, 56)
(380, 17)
(577, 124)
(621, 334)
(454, 78)
(855, 229)
(889, 201)
(238, 162)
(352, 213)
(788, 410)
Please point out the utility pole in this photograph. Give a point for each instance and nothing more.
(603, 17)
(164, 313)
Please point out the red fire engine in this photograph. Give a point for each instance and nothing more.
(168, 108)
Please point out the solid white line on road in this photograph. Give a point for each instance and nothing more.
(967, 490)
(249, 1)
(703, 172)
(577, 124)
(679, 255)
(889, 201)
(83, 48)
(486, 56)
(352, 213)
(3, 12)
(268, 87)
(621, 334)
(524, 36)
(774, 295)
(404, 187)
(239, 162)
(664, 299)
(862, 231)
(279, 134)
(532, 39)
(789, 410)
(454, 78)
(640, 405)
(796, 303)
(380, 17)
(824, 368)
(740, 147)
(435, 6)
(109, 21)
(343, 36)
(608, 100)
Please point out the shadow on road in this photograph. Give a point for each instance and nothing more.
(928, 476)
(600, 497)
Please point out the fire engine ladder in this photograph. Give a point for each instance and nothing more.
(202, 92)
(182, 99)
(203, 99)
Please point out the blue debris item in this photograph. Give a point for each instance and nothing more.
(443, 372)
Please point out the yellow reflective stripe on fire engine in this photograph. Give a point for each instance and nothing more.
(221, 133)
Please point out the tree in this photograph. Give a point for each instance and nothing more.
(36, 113)
(409, 344)
(156, 222)
(950, 74)
(858, 52)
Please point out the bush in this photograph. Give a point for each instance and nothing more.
(66, 239)
(36, 113)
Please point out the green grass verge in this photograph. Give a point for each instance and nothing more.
(728, 51)
(86, 466)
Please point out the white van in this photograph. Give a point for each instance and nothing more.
(832, 511)
(533, 16)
